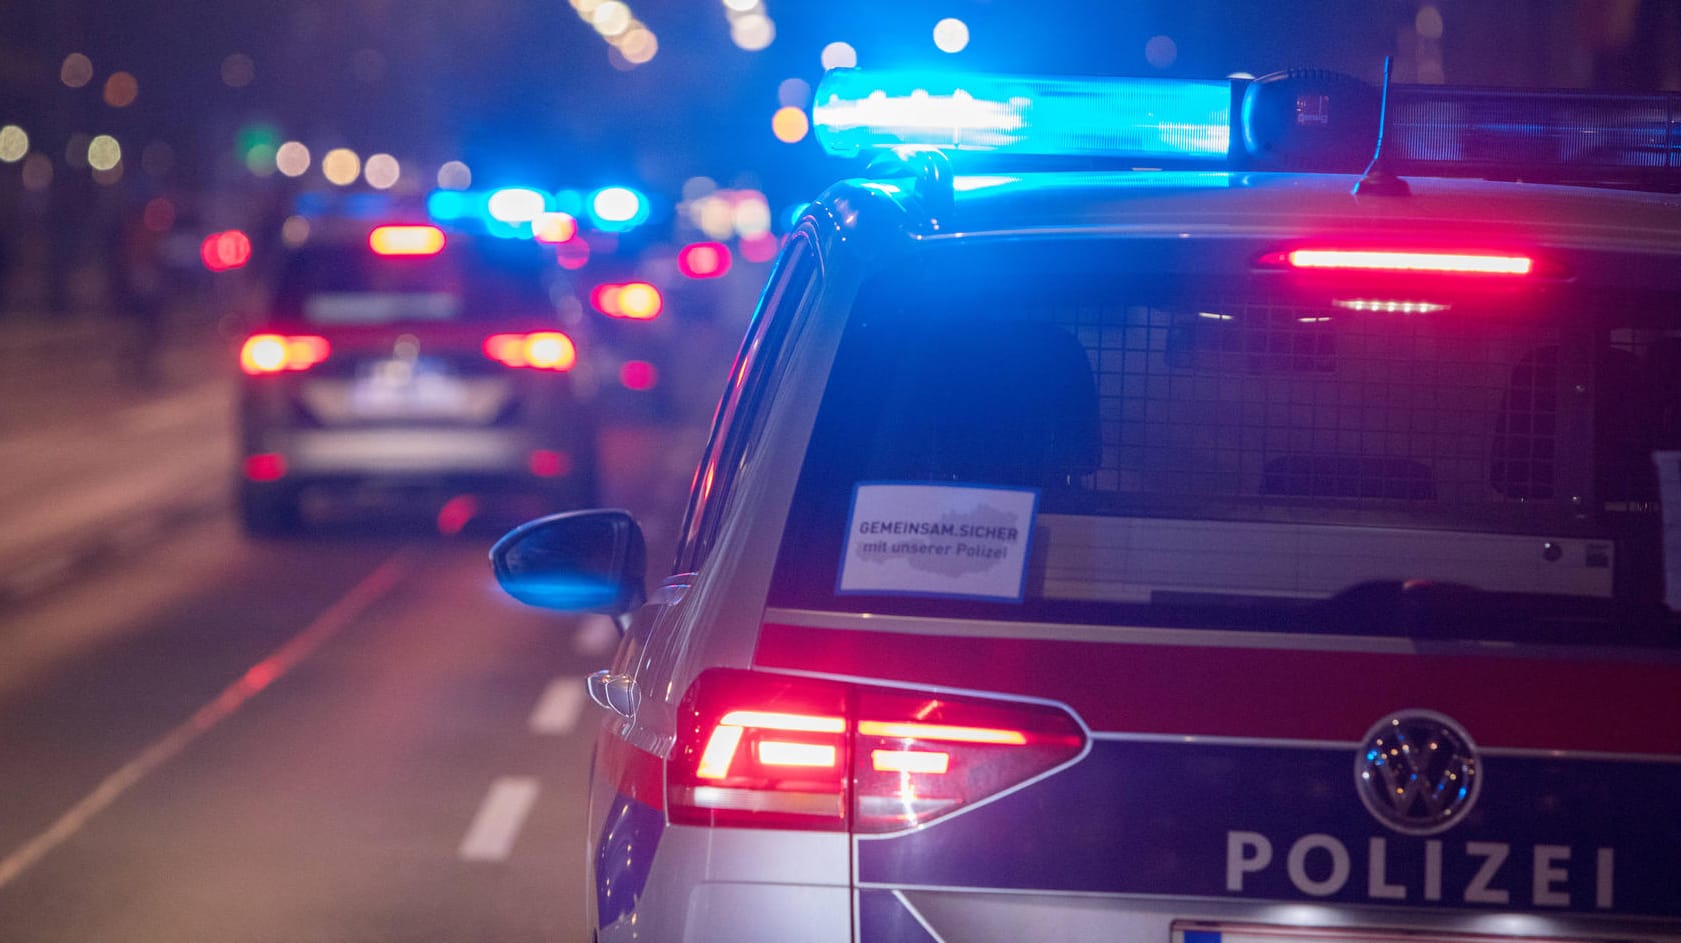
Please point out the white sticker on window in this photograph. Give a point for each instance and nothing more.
(963, 541)
(1669, 495)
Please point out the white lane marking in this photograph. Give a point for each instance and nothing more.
(264, 673)
(558, 709)
(503, 812)
(596, 635)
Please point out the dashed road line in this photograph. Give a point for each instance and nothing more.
(329, 623)
(500, 817)
(558, 709)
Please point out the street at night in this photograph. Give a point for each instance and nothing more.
(774, 471)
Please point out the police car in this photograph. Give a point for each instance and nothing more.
(411, 362)
(1264, 548)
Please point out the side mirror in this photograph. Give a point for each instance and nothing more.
(579, 561)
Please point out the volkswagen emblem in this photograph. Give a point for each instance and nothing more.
(1417, 772)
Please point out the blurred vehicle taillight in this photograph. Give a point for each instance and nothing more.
(277, 353)
(539, 350)
(760, 750)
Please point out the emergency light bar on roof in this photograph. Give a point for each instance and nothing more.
(1148, 118)
(1304, 120)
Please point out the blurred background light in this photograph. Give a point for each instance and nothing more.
(696, 187)
(554, 228)
(104, 152)
(761, 248)
(238, 70)
(76, 70)
(790, 125)
(1161, 51)
(224, 251)
(517, 205)
(752, 31)
(573, 254)
(292, 158)
(793, 93)
(611, 18)
(639, 45)
(449, 205)
(341, 166)
(382, 171)
(121, 89)
(454, 175)
(617, 208)
(262, 160)
(704, 259)
(839, 56)
(14, 143)
(294, 232)
(37, 172)
(751, 216)
(951, 35)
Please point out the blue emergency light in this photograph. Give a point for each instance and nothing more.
(858, 111)
(1306, 120)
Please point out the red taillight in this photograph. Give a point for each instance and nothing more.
(539, 350)
(406, 240)
(265, 466)
(1401, 261)
(766, 751)
(639, 375)
(548, 463)
(638, 301)
(222, 251)
(704, 259)
(276, 353)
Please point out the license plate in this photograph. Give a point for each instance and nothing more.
(390, 389)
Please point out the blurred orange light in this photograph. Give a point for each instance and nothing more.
(272, 353)
(406, 240)
(554, 228)
(121, 89)
(640, 301)
(790, 125)
(541, 350)
(605, 298)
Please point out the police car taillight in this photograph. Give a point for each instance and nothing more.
(278, 353)
(766, 751)
(538, 350)
(406, 240)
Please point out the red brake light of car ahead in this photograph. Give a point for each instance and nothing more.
(406, 240)
(539, 350)
(1407, 261)
(276, 353)
(760, 750)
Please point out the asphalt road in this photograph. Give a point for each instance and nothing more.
(346, 736)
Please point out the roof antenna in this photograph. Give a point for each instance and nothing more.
(1378, 181)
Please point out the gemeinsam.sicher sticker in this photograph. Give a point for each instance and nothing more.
(967, 541)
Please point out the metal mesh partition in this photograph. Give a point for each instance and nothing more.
(1258, 403)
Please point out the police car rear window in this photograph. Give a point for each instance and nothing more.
(343, 285)
(1235, 446)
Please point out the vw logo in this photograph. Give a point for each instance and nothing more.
(1417, 773)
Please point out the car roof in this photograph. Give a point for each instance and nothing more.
(1247, 203)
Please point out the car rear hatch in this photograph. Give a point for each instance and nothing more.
(1348, 584)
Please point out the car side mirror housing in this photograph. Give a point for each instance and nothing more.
(577, 561)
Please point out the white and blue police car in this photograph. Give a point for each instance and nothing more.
(1260, 548)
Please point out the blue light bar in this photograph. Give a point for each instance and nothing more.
(1100, 117)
